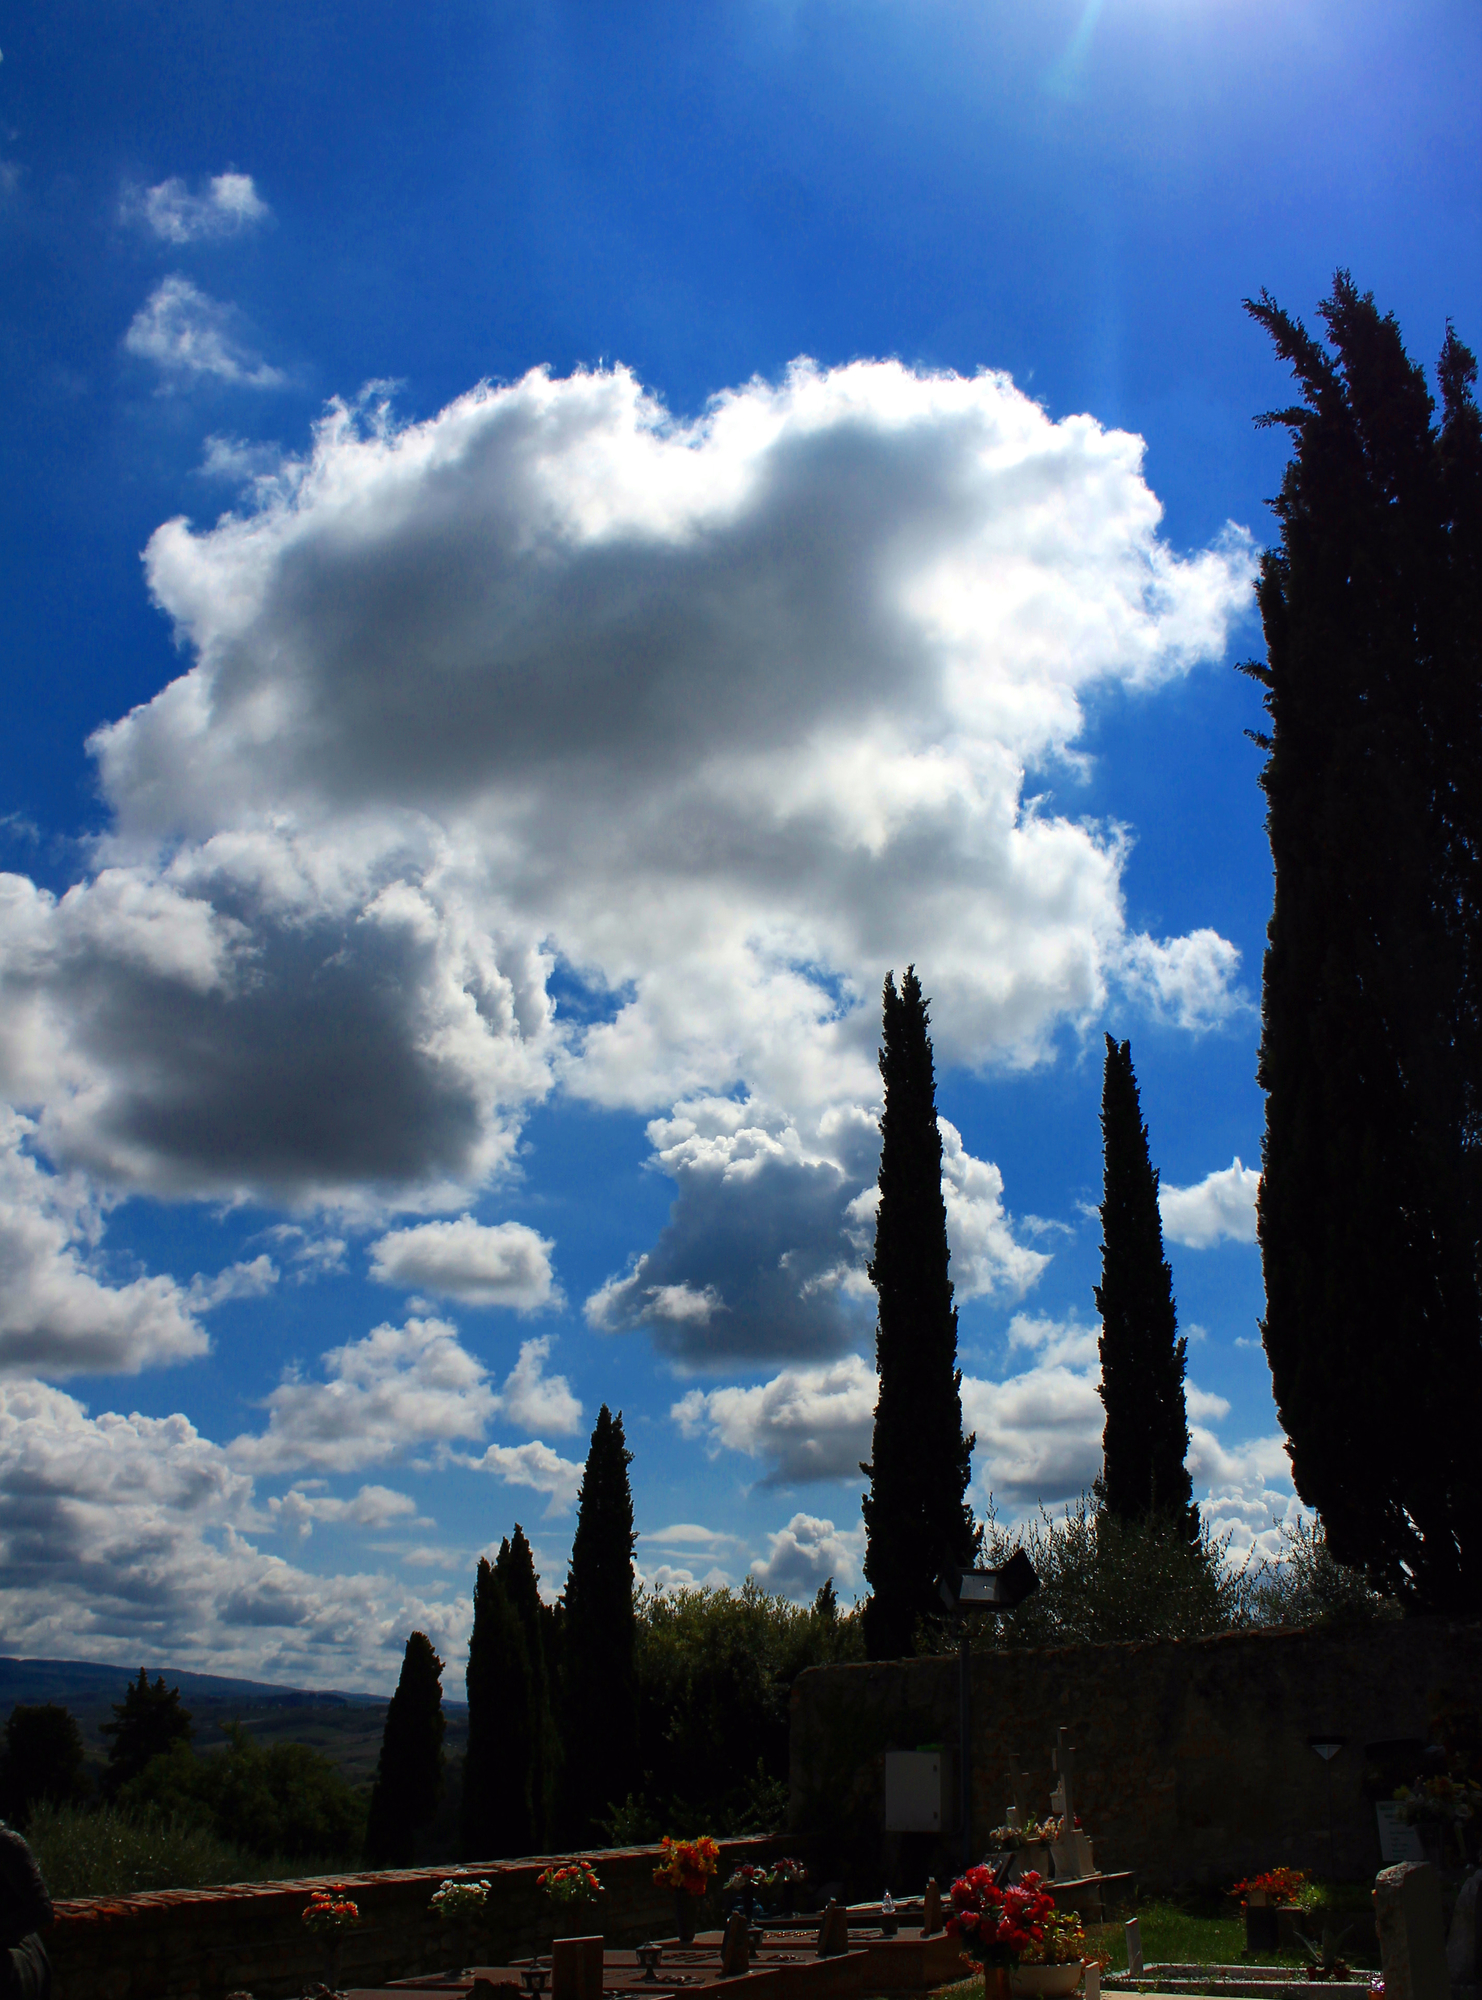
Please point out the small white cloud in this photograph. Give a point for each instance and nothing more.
(190, 338)
(1186, 980)
(807, 1423)
(537, 1401)
(1222, 1205)
(399, 1387)
(685, 1534)
(59, 1315)
(371, 1507)
(480, 1264)
(228, 204)
(1203, 1404)
(1243, 1490)
(534, 1465)
(667, 1577)
(807, 1551)
(986, 1261)
(238, 1281)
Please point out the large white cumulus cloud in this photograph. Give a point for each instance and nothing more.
(724, 716)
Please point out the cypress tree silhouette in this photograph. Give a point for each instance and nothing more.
(409, 1772)
(599, 1693)
(915, 1511)
(516, 1567)
(1370, 1210)
(495, 1819)
(41, 1758)
(148, 1721)
(1142, 1355)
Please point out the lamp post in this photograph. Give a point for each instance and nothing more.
(1327, 1747)
(993, 1590)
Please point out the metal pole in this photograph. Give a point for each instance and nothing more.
(1332, 1850)
(965, 1742)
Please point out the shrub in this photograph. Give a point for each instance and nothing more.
(287, 1801)
(111, 1852)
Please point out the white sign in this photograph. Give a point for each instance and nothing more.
(1397, 1840)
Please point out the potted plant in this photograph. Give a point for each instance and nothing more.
(1324, 1961)
(572, 1890)
(998, 1928)
(686, 1867)
(328, 1915)
(458, 1901)
(1262, 1898)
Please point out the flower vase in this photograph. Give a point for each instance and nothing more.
(334, 1952)
(457, 1934)
(1045, 1982)
(995, 1982)
(684, 1916)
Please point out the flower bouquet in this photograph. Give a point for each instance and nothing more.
(783, 1880)
(570, 1885)
(1277, 1885)
(1008, 1839)
(1259, 1897)
(686, 1867)
(1000, 1928)
(329, 1914)
(744, 1884)
(1432, 1805)
(458, 1900)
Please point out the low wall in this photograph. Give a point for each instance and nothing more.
(1192, 1759)
(200, 1944)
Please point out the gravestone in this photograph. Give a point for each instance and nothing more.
(1134, 1950)
(1019, 1786)
(576, 1968)
(833, 1932)
(735, 1951)
(1407, 1910)
(1461, 1941)
(931, 1909)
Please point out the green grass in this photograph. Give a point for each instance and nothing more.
(108, 1853)
(1198, 1929)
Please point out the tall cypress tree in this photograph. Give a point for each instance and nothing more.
(1371, 1046)
(915, 1511)
(600, 1693)
(495, 1817)
(1142, 1355)
(409, 1771)
(515, 1565)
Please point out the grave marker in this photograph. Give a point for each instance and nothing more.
(1407, 1909)
(1134, 1950)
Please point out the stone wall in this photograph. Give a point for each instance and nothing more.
(200, 1944)
(1192, 1759)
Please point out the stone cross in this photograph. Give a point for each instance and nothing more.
(1019, 1786)
(1061, 1799)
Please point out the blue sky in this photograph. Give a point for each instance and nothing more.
(546, 548)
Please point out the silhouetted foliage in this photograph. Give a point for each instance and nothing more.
(42, 1758)
(495, 1818)
(1371, 1048)
(409, 1771)
(285, 1799)
(916, 1515)
(146, 1723)
(715, 1669)
(598, 1696)
(1142, 1356)
(515, 1564)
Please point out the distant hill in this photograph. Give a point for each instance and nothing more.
(92, 1681)
(345, 1726)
